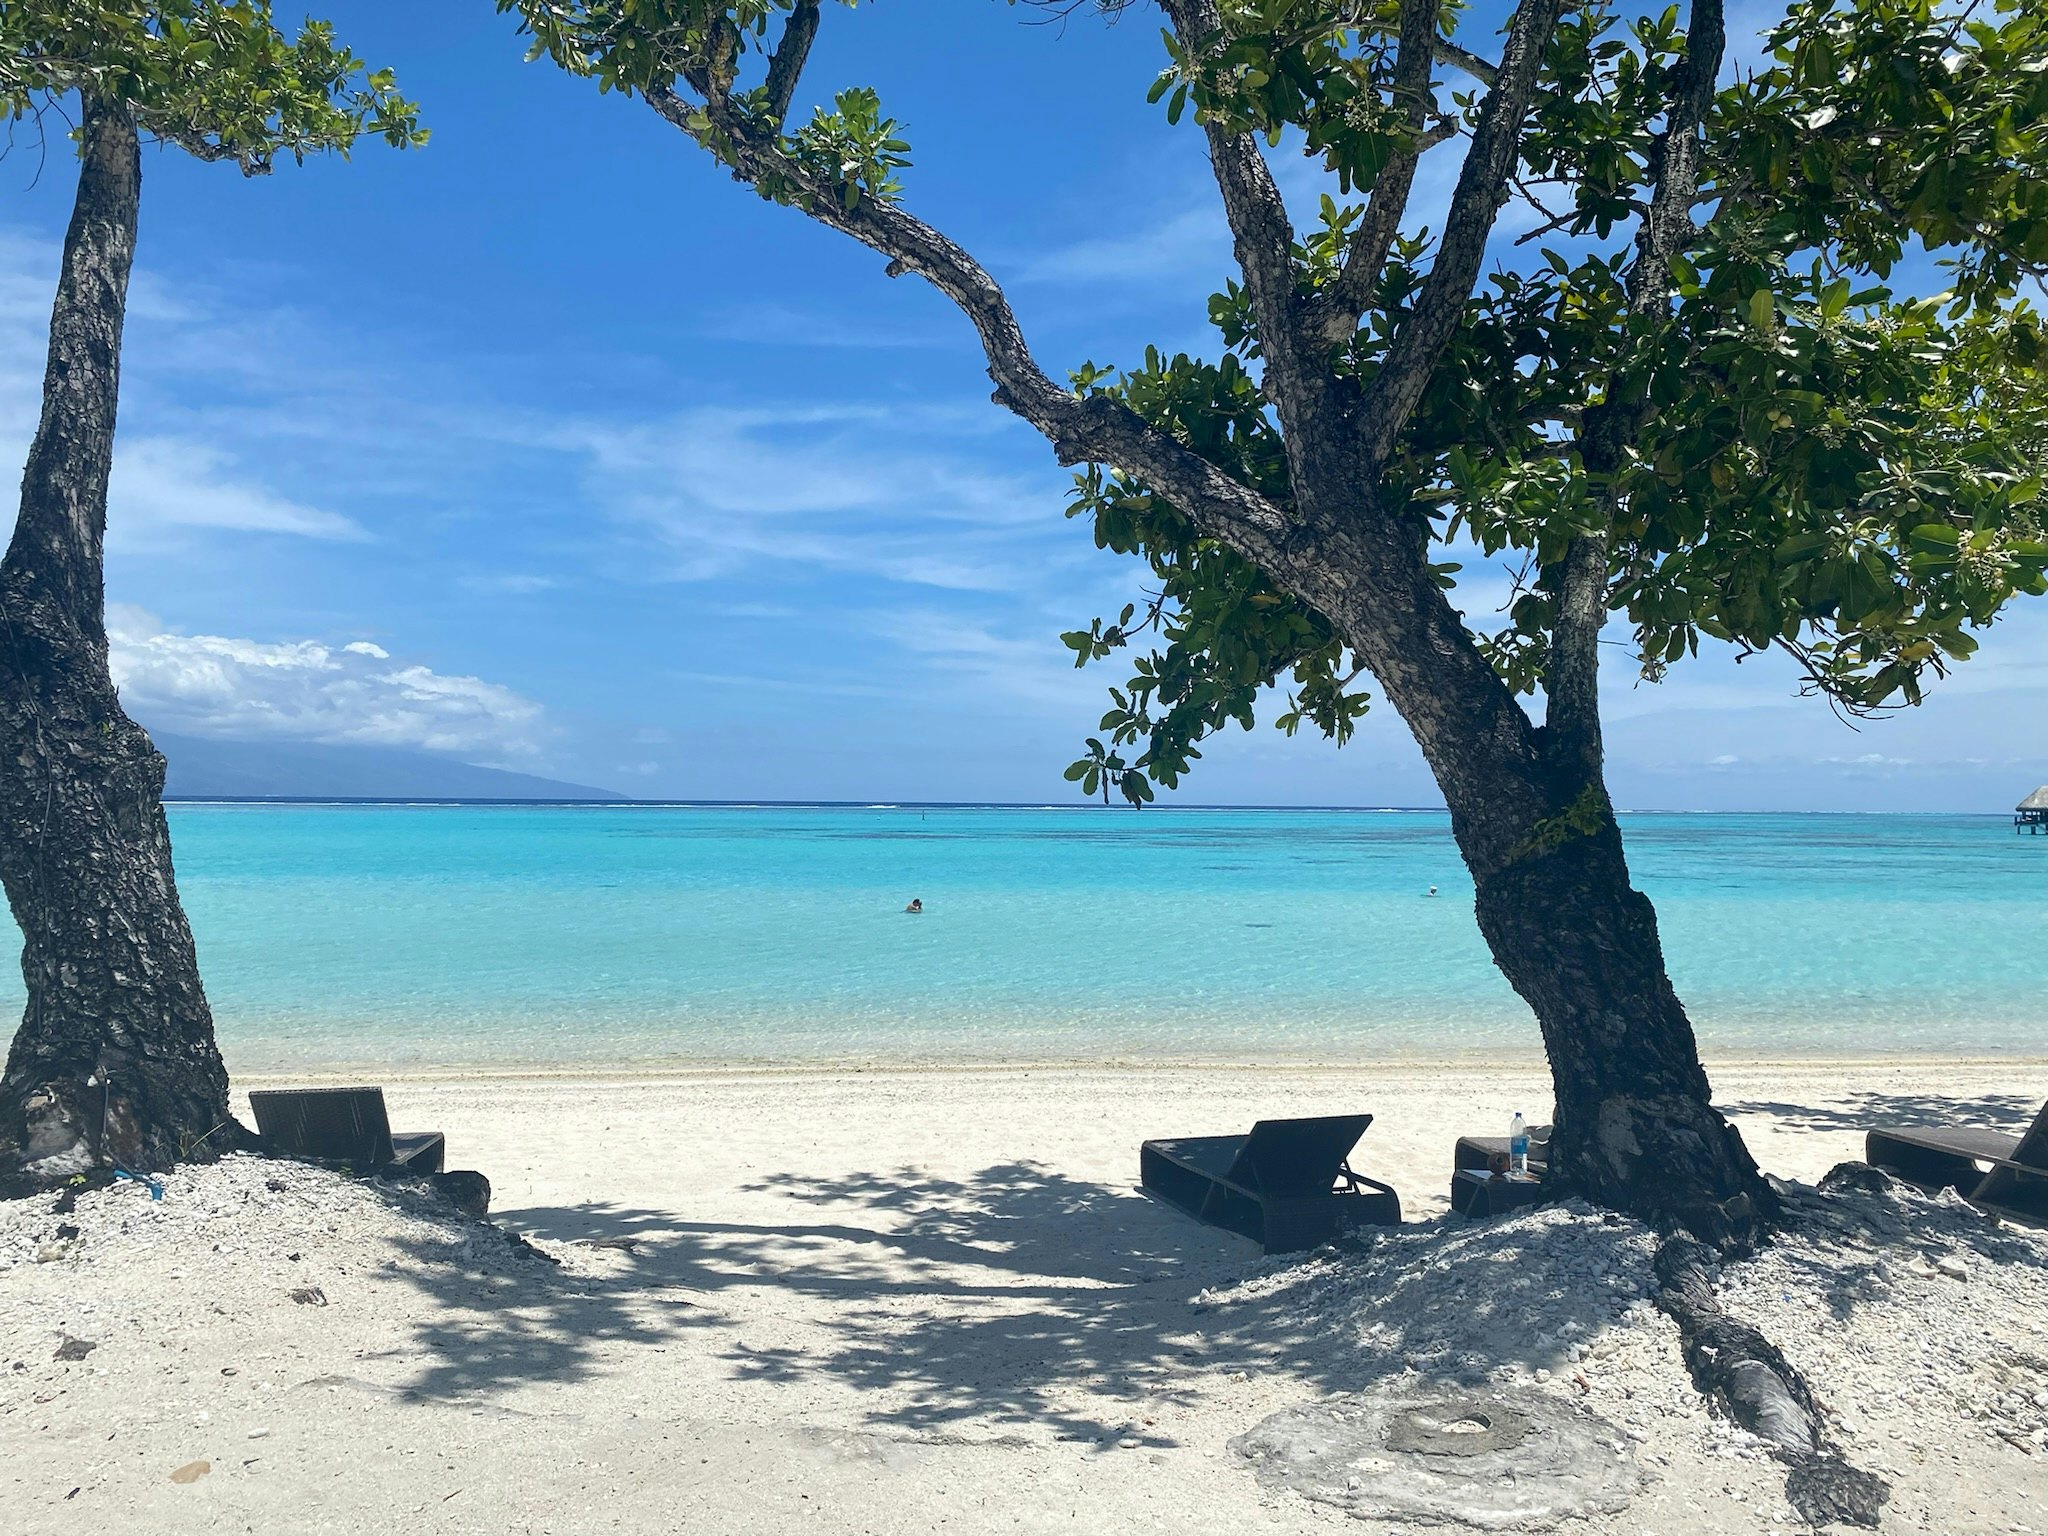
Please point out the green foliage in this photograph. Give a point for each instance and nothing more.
(1827, 466)
(853, 148)
(1590, 814)
(850, 154)
(1322, 68)
(1226, 632)
(215, 77)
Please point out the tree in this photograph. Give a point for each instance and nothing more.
(115, 1061)
(1703, 408)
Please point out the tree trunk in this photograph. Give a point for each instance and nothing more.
(1635, 1128)
(115, 1061)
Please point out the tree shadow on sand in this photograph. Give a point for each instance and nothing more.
(1016, 1296)
(1866, 1111)
(506, 1314)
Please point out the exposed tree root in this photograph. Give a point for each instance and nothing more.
(1734, 1364)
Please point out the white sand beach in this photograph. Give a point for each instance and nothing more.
(902, 1301)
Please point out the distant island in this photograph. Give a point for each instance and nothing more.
(211, 768)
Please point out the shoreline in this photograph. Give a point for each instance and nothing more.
(667, 1071)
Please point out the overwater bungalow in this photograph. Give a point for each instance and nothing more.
(2031, 815)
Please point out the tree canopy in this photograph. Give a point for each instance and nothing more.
(1778, 432)
(217, 78)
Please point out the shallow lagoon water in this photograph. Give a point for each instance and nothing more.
(415, 937)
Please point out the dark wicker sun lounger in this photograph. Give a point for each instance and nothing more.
(1287, 1186)
(2004, 1173)
(342, 1125)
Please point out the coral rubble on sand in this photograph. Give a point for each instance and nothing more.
(1921, 1323)
(306, 1337)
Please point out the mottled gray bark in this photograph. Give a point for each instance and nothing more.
(85, 854)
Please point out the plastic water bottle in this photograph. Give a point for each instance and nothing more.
(1518, 1147)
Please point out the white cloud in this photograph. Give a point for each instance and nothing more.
(212, 685)
(164, 485)
(28, 276)
(166, 482)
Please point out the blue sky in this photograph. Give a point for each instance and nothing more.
(551, 448)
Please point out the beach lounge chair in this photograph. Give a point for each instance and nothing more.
(2001, 1172)
(342, 1125)
(1476, 1152)
(1287, 1186)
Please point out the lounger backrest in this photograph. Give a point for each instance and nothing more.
(342, 1124)
(1297, 1157)
(2033, 1148)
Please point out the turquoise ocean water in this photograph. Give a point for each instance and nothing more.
(344, 936)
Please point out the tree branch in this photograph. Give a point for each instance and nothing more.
(1482, 187)
(199, 147)
(1334, 316)
(787, 65)
(1363, 14)
(1572, 681)
(1081, 430)
(1262, 236)
(1448, 52)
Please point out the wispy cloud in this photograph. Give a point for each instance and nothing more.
(509, 583)
(778, 325)
(1028, 667)
(310, 690)
(1191, 242)
(898, 493)
(166, 483)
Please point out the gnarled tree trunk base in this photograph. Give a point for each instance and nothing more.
(115, 1062)
(1635, 1128)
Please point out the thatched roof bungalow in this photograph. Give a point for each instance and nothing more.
(2032, 813)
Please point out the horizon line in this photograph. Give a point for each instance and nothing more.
(593, 802)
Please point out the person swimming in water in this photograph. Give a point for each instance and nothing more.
(1432, 890)
(916, 904)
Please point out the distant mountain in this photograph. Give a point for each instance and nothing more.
(208, 768)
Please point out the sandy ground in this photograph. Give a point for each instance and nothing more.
(896, 1302)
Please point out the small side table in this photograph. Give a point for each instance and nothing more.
(1475, 1192)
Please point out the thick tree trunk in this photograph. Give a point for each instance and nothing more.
(115, 1061)
(1635, 1126)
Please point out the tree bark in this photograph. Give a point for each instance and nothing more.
(1635, 1125)
(115, 1061)
(1635, 1128)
